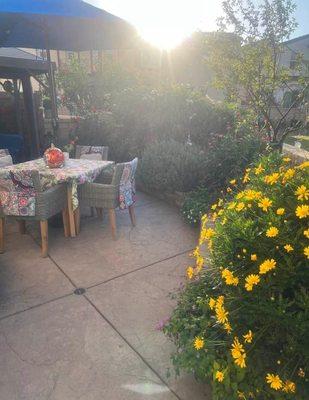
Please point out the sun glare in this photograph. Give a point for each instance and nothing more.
(165, 23)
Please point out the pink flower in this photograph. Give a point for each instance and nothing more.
(161, 324)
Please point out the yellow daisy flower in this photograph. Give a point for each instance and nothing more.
(306, 251)
(302, 193)
(198, 343)
(289, 387)
(286, 159)
(274, 381)
(265, 203)
(288, 248)
(267, 266)
(248, 337)
(302, 211)
(233, 182)
(219, 376)
(288, 175)
(253, 257)
(212, 303)
(240, 206)
(230, 279)
(304, 165)
(306, 233)
(227, 327)
(272, 231)
(221, 314)
(259, 170)
(190, 272)
(246, 178)
(241, 360)
(280, 211)
(251, 280)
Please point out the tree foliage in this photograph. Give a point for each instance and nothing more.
(246, 55)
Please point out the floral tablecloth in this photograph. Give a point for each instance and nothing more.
(17, 192)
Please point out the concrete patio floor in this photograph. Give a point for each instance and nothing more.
(103, 344)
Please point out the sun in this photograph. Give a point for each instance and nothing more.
(164, 39)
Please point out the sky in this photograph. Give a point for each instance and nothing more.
(165, 23)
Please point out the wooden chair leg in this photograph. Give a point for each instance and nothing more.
(99, 212)
(132, 215)
(77, 220)
(2, 220)
(21, 226)
(44, 237)
(66, 222)
(112, 221)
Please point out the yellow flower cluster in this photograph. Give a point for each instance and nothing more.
(251, 200)
(272, 179)
(276, 383)
(221, 313)
(238, 353)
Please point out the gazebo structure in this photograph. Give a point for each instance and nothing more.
(19, 66)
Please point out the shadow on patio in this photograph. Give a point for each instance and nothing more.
(102, 344)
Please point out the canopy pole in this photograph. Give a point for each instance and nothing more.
(32, 118)
(52, 89)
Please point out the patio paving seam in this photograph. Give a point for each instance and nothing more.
(36, 306)
(131, 346)
(139, 268)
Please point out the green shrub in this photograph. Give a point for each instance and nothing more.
(120, 112)
(242, 321)
(196, 205)
(169, 166)
(228, 156)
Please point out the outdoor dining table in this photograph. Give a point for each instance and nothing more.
(75, 172)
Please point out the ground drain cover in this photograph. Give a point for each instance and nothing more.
(79, 291)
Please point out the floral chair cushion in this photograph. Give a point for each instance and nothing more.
(4, 152)
(93, 152)
(5, 161)
(127, 192)
(17, 193)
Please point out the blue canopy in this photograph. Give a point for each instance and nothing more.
(61, 25)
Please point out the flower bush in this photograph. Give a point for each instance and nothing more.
(242, 321)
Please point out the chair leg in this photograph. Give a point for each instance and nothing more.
(77, 220)
(99, 212)
(2, 235)
(22, 226)
(66, 222)
(44, 237)
(132, 215)
(112, 221)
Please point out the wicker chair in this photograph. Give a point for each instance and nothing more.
(92, 152)
(47, 204)
(106, 196)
